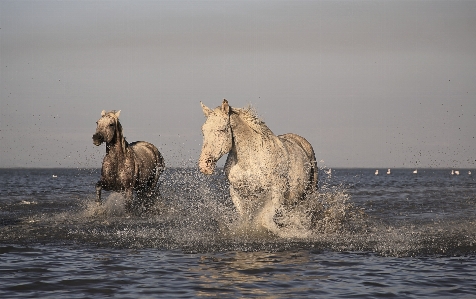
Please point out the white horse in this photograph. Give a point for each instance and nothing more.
(266, 172)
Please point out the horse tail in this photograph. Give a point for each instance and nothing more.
(159, 166)
(307, 147)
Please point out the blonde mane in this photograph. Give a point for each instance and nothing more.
(251, 118)
(120, 135)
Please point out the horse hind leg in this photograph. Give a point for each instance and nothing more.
(143, 203)
(146, 197)
(158, 169)
(98, 192)
(133, 206)
(149, 189)
(314, 179)
(153, 182)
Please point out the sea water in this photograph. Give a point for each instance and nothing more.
(401, 235)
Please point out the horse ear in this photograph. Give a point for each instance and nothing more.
(206, 110)
(225, 107)
(117, 113)
(103, 113)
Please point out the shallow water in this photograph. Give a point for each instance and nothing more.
(400, 235)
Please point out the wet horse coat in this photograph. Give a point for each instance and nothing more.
(126, 167)
(266, 172)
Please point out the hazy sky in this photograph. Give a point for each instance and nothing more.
(368, 83)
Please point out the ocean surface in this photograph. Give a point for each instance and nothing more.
(401, 235)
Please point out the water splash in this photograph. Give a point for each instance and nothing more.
(114, 205)
(195, 211)
(195, 214)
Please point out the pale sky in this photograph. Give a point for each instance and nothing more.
(369, 83)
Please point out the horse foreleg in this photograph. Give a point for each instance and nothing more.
(128, 194)
(98, 192)
(237, 201)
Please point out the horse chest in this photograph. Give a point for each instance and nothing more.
(117, 173)
(247, 182)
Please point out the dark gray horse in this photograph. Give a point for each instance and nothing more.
(127, 167)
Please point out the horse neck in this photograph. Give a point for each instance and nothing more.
(247, 143)
(118, 144)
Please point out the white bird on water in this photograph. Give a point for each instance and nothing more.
(376, 172)
(415, 171)
(469, 172)
(388, 171)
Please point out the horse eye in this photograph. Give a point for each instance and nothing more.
(111, 125)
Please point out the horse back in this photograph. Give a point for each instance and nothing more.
(307, 147)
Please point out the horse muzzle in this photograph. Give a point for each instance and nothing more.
(98, 139)
(207, 166)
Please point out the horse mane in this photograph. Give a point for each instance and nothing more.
(119, 133)
(251, 118)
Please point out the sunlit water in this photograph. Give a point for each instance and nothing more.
(401, 235)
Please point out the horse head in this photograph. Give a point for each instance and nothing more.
(217, 136)
(106, 127)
